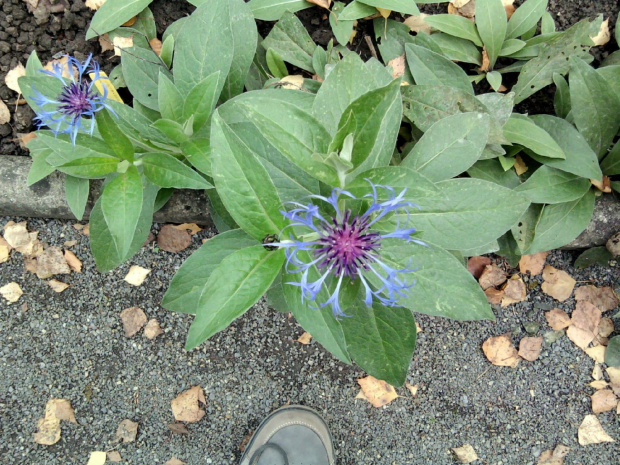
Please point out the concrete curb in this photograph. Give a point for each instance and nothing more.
(46, 199)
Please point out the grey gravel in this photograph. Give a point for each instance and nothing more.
(72, 346)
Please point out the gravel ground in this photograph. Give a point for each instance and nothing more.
(72, 346)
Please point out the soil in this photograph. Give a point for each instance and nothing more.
(53, 29)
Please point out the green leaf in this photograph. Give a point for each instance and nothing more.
(163, 196)
(595, 106)
(467, 213)
(612, 76)
(547, 24)
(116, 77)
(113, 14)
(341, 28)
(201, 100)
(561, 100)
(272, 10)
(550, 185)
(454, 25)
(243, 183)
(290, 41)
(40, 168)
(145, 23)
(558, 224)
(89, 167)
(438, 271)
(593, 256)
(611, 163)
(492, 25)
(428, 67)
(357, 10)
(76, 192)
(173, 130)
(137, 126)
(380, 340)
(205, 45)
(33, 65)
(491, 170)
(494, 79)
(167, 50)
(121, 203)
(320, 322)
(169, 99)
(233, 287)
(397, 177)
(450, 146)
(190, 280)
(580, 159)
(103, 244)
(141, 68)
(457, 48)
(198, 152)
(164, 170)
(275, 64)
(65, 151)
(402, 6)
(392, 37)
(113, 136)
(612, 354)
(525, 17)
(521, 130)
(553, 57)
(511, 46)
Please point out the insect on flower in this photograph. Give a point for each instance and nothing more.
(345, 246)
(78, 101)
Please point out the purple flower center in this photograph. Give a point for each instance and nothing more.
(347, 245)
(76, 99)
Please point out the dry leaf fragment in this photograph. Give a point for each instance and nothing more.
(598, 384)
(68, 244)
(97, 458)
(174, 461)
(186, 406)
(376, 391)
(127, 431)
(604, 185)
(492, 276)
(555, 457)
(74, 263)
(4, 252)
(5, 114)
(465, 453)
(602, 297)
(398, 66)
(605, 327)
(614, 376)
(468, 10)
(529, 348)
(114, 456)
(24, 138)
(519, 166)
(384, 12)
(18, 237)
(136, 275)
(11, 292)
(156, 45)
(514, 291)
(459, 3)
(603, 35)
(494, 296)
(49, 426)
(603, 401)
(412, 389)
(597, 372)
(596, 353)
(193, 228)
(105, 43)
(322, 3)
(133, 319)
(584, 324)
(500, 351)
(172, 239)
(557, 283)
(178, 428)
(152, 329)
(476, 265)
(533, 264)
(486, 62)
(57, 286)
(121, 43)
(12, 76)
(51, 262)
(557, 319)
(94, 4)
(417, 24)
(591, 432)
(304, 338)
(294, 82)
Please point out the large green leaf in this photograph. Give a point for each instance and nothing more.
(113, 136)
(40, 168)
(65, 151)
(525, 17)
(113, 14)
(234, 286)
(467, 213)
(137, 126)
(402, 6)
(76, 192)
(457, 26)
(492, 25)
(169, 99)
(520, 129)
(428, 68)
(380, 339)
(201, 100)
(272, 10)
(558, 224)
(90, 167)
(491, 170)
(580, 159)
(189, 281)
(595, 106)
(550, 185)
(164, 170)
(141, 68)
(320, 322)
(458, 49)
(561, 99)
(290, 40)
(450, 146)
(243, 183)
(443, 286)
(121, 204)
(611, 163)
(102, 243)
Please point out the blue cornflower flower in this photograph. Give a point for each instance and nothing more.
(346, 247)
(78, 101)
